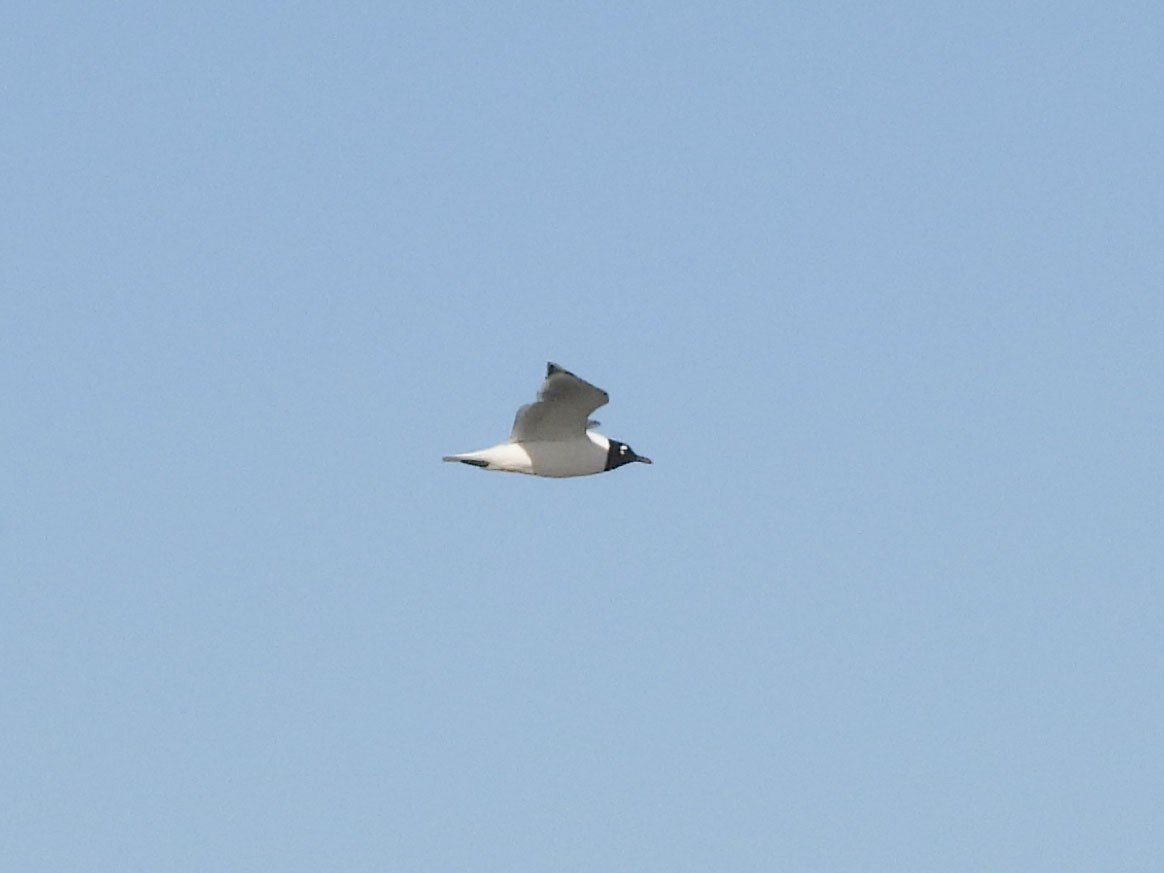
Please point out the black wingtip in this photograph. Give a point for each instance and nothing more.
(552, 368)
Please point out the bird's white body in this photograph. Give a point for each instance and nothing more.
(558, 459)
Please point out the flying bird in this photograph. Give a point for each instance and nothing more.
(552, 437)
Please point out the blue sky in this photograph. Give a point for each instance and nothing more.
(878, 287)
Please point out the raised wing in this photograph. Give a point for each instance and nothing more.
(562, 410)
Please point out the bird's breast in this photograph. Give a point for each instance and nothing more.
(565, 458)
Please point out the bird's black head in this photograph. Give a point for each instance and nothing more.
(620, 453)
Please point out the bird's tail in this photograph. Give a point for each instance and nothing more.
(465, 459)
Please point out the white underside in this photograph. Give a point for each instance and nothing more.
(559, 459)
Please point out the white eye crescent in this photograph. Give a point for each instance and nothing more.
(622, 449)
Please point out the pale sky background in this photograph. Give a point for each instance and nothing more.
(880, 288)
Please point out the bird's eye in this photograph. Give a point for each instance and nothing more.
(623, 450)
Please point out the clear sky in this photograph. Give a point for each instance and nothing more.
(880, 288)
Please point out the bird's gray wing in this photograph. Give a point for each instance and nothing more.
(562, 409)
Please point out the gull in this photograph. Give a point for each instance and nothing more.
(552, 436)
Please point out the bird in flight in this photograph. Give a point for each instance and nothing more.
(551, 437)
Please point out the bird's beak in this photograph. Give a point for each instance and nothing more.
(642, 459)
